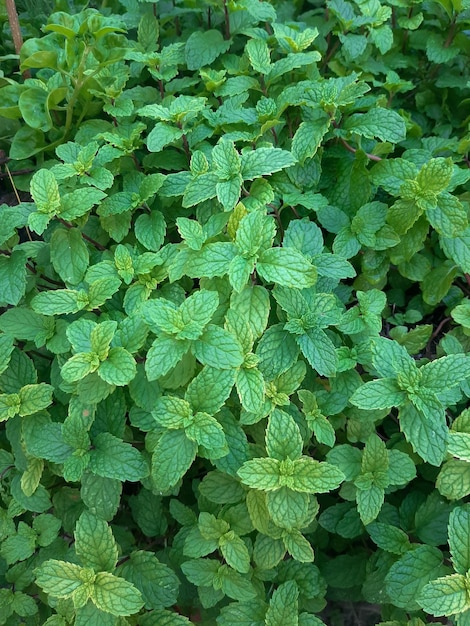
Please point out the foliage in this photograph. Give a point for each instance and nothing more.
(235, 313)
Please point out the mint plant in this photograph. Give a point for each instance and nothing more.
(234, 324)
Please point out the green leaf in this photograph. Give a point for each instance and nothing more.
(287, 267)
(235, 552)
(446, 372)
(251, 389)
(261, 474)
(407, 576)
(119, 368)
(59, 301)
(79, 366)
(203, 47)
(319, 351)
(59, 578)
(298, 546)
(258, 53)
(34, 398)
(69, 255)
(288, 509)
(308, 138)
(171, 458)
(162, 135)
(283, 438)
(150, 230)
(113, 458)
(115, 595)
(385, 124)
(207, 431)
(157, 583)
(315, 477)
(277, 350)
(283, 607)
(369, 503)
(459, 538)
(12, 277)
(427, 436)
(208, 391)
(45, 191)
(252, 303)
(381, 393)
(264, 161)
(94, 543)
(218, 348)
(101, 495)
(389, 538)
(445, 596)
(164, 354)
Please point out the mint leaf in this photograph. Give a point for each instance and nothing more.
(113, 458)
(94, 543)
(445, 596)
(459, 538)
(115, 595)
(283, 606)
(385, 124)
(172, 458)
(287, 267)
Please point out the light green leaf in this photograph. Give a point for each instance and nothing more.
(79, 366)
(258, 53)
(319, 351)
(69, 255)
(284, 606)
(264, 161)
(309, 136)
(119, 368)
(459, 538)
(172, 458)
(251, 389)
(287, 267)
(203, 47)
(111, 457)
(288, 509)
(445, 596)
(298, 546)
(115, 595)
(207, 431)
(208, 391)
(369, 503)
(218, 348)
(164, 354)
(261, 474)
(94, 543)
(283, 438)
(150, 228)
(385, 124)
(162, 135)
(427, 436)
(34, 398)
(12, 277)
(157, 583)
(407, 576)
(59, 301)
(381, 393)
(59, 578)
(313, 476)
(235, 552)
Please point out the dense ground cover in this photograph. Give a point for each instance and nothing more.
(234, 334)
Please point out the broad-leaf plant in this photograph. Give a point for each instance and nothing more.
(235, 313)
